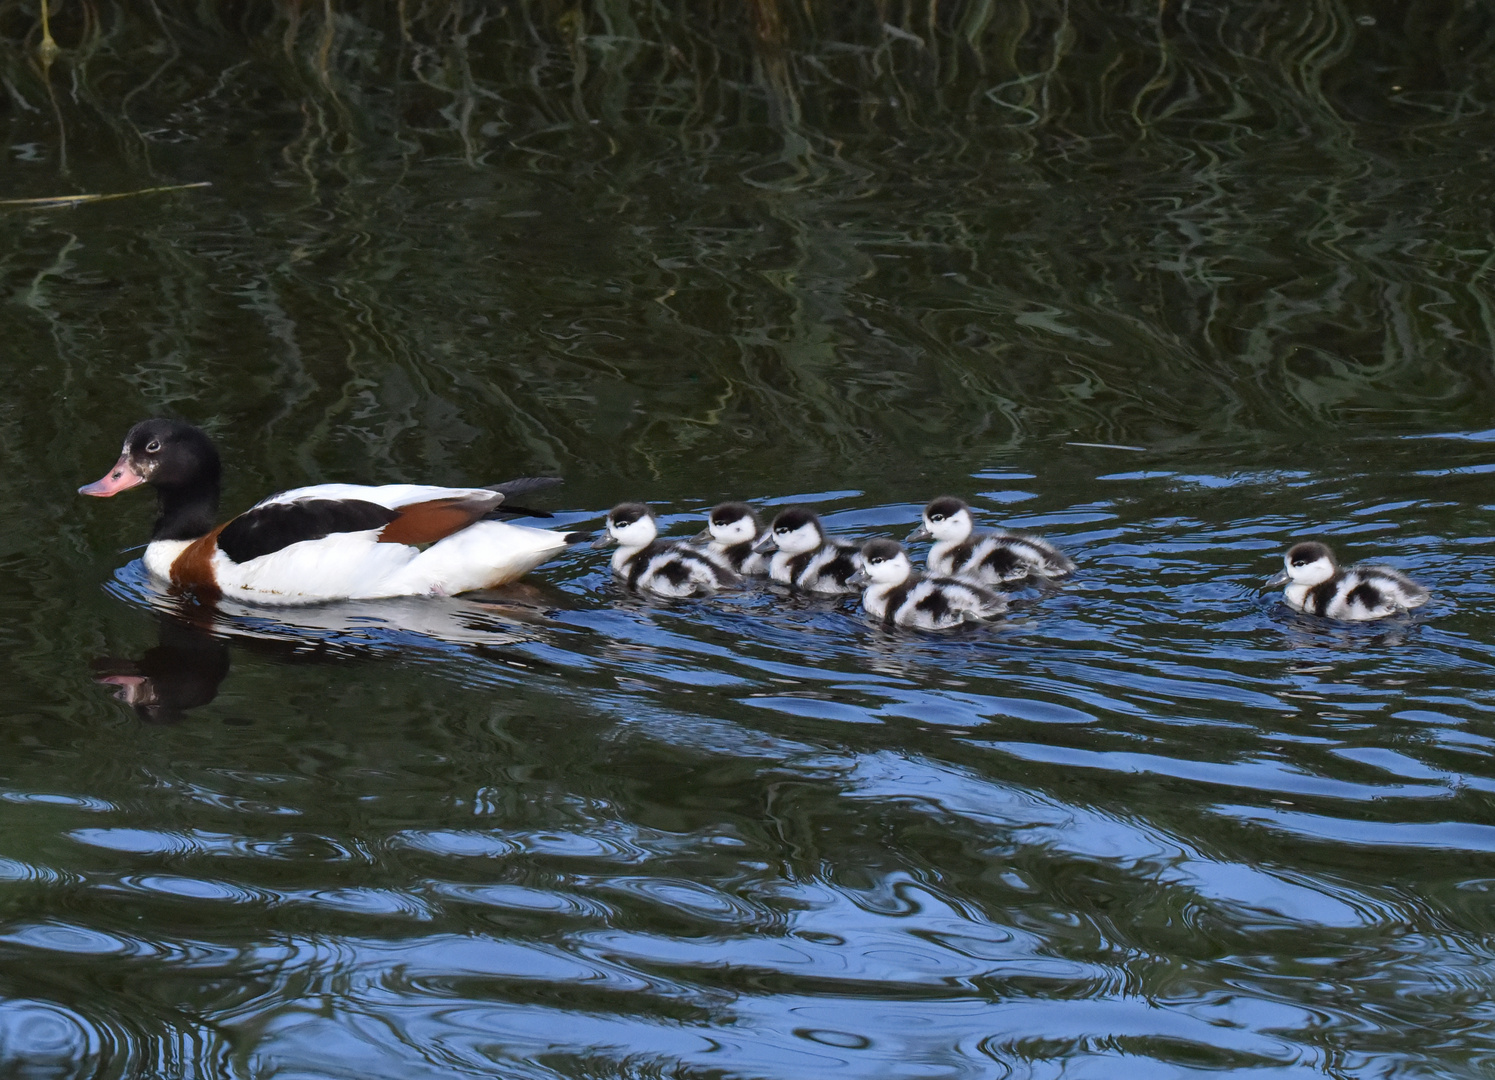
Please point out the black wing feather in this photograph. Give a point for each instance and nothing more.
(502, 512)
(524, 485)
(843, 565)
(266, 529)
(936, 603)
(1319, 597)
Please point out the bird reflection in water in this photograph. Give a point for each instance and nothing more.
(191, 659)
(183, 671)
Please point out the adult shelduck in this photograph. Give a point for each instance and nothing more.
(327, 542)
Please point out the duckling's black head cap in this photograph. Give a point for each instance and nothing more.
(1309, 552)
(795, 517)
(881, 549)
(625, 514)
(943, 507)
(728, 512)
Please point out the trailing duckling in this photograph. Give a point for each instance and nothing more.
(1317, 585)
(807, 558)
(898, 595)
(732, 528)
(982, 555)
(663, 567)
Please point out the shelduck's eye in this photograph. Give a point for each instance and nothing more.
(153, 447)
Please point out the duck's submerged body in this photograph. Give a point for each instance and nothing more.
(1315, 584)
(998, 557)
(827, 569)
(328, 542)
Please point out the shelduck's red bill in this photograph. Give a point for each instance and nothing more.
(117, 479)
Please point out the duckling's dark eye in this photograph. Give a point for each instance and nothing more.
(153, 447)
(936, 517)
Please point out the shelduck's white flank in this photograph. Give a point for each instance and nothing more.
(356, 566)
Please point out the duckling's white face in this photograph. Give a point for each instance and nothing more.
(949, 528)
(1313, 572)
(887, 571)
(733, 532)
(797, 541)
(634, 534)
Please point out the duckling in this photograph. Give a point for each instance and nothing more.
(731, 529)
(806, 557)
(983, 556)
(664, 567)
(1317, 585)
(899, 596)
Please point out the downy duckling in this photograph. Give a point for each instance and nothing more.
(899, 596)
(731, 530)
(983, 556)
(663, 567)
(1318, 586)
(806, 557)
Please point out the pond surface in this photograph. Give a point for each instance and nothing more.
(1172, 285)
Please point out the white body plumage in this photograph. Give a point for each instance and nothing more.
(357, 566)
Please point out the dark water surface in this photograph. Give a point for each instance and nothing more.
(1151, 825)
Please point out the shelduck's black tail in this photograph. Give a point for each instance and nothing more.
(522, 485)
